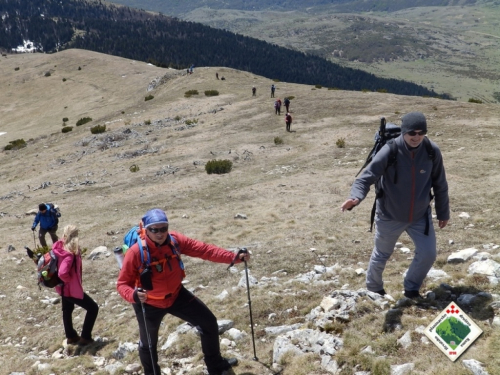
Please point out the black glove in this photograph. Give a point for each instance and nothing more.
(33, 228)
(136, 297)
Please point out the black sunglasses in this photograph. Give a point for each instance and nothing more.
(414, 133)
(160, 230)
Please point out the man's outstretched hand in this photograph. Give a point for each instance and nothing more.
(349, 204)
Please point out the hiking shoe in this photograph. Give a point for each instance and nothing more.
(412, 294)
(381, 292)
(224, 365)
(73, 340)
(84, 342)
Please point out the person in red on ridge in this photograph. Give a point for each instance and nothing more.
(161, 292)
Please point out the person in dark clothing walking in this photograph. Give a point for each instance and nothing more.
(286, 102)
(273, 88)
(48, 223)
(254, 91)
(163, 293)
(404, 205)
(288, 121)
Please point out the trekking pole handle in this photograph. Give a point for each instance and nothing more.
(241, 250)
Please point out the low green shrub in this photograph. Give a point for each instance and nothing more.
(47, 74)
(134, 168)
(365, 90)
(65, 119)
(291, 97)
(190, 93)
(384, 91)
(218, 166)
(147, 122)
(472, 100)
(149, 97)
(83, 121)
(276, 80)
(278, 141)
(98, 129)
(16, 144)
(340, 143)
(177, 118)
(64, 79)
(79, 68)
(318, 86)
(191, 122)
(211, 93)
(66, 129)
(16, 68)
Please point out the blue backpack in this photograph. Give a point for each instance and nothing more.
(133, 236)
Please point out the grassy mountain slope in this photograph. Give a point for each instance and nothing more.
(166, 41)
(290, 193)
(450, 47)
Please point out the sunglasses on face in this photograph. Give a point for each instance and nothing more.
(158, 230)
(414, 133)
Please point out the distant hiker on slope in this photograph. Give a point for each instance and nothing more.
(288, 121)
(273, 88)
(254, 91)
(69, 263)
(156, 290)
(48, 220)
(403, 202)
(286, 102)
(277, 107)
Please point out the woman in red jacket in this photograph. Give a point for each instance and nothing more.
(156, 290)
(69, 265)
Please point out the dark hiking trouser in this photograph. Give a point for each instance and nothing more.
(86, 303)
(53, 236)
(288, 123)
(188, 308)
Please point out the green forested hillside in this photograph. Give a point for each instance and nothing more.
(167, 41)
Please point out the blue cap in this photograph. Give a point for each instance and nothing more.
(154, 216)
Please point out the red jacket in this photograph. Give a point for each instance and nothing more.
(166, 284)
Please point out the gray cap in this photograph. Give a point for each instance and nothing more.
(413, 121)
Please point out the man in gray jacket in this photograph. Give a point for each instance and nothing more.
(403, 202)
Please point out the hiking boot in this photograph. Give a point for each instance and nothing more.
(73, 340)
(381, 292)
(224, 365)
(412, 294)
(84, 342)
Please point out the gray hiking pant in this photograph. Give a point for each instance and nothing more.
(386, 235)
(53, 236)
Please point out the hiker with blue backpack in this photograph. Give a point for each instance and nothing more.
(151, 279)
(404, 172)
(48, 217)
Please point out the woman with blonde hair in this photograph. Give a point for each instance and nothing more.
(69, 262)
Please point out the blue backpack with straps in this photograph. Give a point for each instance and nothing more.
(133, 236)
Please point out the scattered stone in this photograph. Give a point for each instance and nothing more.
(405, 340)
(462, 255)
(240, 216)
(407, 368)
(475, 366)
(99, 252)
(464, 215)
(11, 248)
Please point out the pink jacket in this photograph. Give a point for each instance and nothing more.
(69, 271)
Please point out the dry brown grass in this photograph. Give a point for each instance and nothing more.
(291, 194)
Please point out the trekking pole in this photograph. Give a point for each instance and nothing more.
(34, 239)
(245, 251)
(147, 333)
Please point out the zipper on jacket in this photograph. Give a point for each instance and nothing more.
(412, 197)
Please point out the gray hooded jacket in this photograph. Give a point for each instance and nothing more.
(408, 199)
